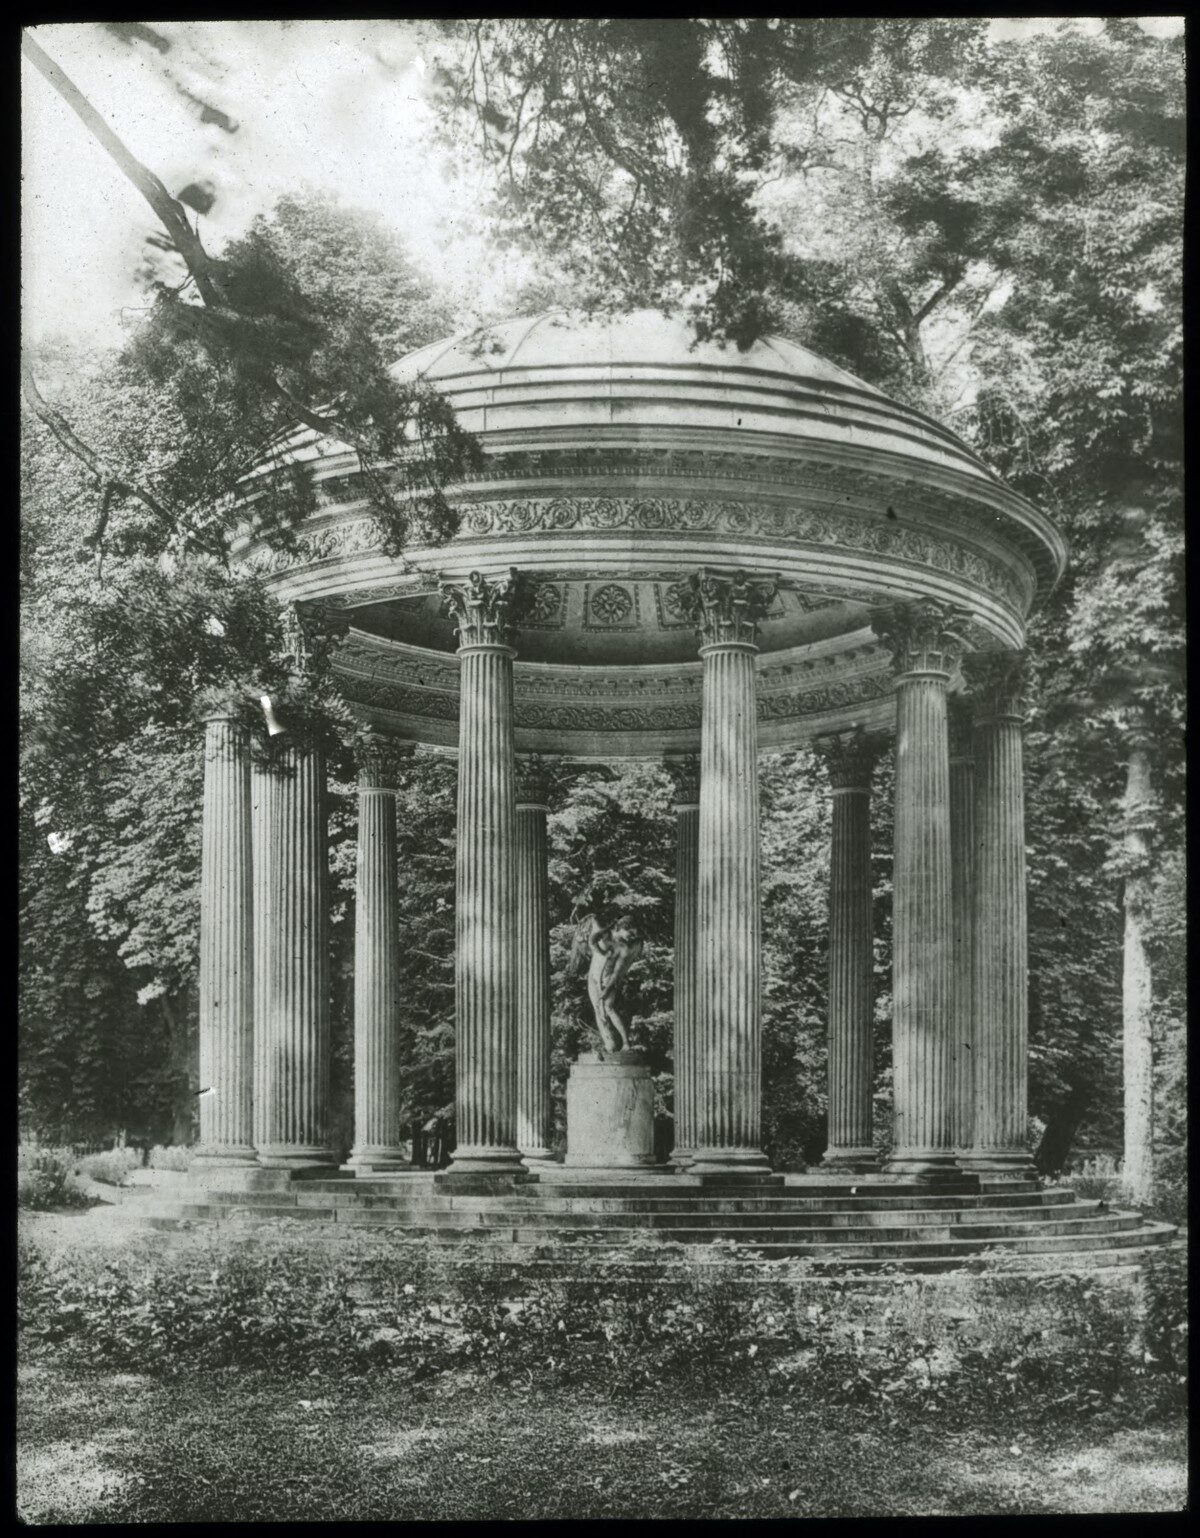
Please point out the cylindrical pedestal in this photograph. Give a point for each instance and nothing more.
(533, 980)
(727, 917)
(226, 954)
(1000, 1142)
(851, 1055)
(485, 953)
(687, 837)
(291, 970)
(376, 982)
(610, 1113)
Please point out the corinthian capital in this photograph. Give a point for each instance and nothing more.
(534, 780)
(488, 610)
(850, 757)
(685, 772)
(924, 637)
(378, 758)
(726, 609)
(997, 682)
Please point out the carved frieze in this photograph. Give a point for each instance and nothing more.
(599, 715)
(835, 528)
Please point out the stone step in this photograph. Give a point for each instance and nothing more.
(399, 1201)
(835, 1223)
(500, 1228)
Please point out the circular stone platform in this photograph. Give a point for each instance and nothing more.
(622, 456)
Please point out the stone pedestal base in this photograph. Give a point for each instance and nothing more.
(610, 1113)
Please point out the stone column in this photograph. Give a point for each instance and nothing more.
(851, 758)
(1001, 979)
(485, 960)
(925, 642)
(533, 963)
(962, 907)
(291, 971)
(728, 998)
(686, 774)
(376, 973)
(226, 954)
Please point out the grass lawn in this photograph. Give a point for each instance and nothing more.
(236, 1446)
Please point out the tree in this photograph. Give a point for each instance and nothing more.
(120, 659)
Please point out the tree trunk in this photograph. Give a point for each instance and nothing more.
(1137, 993)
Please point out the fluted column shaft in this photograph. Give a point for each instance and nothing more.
(376, 981)
(485, 953)
(686, 1053)
(962, 902)
(926, 645)
(728, 1002)
(851, 1005)
(226, 956)
(533, 981)
(1001, 979)
(292, 1033)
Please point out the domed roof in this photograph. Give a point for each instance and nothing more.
(620, 456)
(559, 338)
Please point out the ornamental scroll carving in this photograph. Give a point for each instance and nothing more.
(997, 681)
(726, 610)
(488, 610)
(832, 528)
(924, 637)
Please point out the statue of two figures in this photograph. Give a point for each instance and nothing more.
(607, 954)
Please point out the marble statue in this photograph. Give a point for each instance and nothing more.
(608, 955)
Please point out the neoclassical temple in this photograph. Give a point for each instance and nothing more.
(676, 551)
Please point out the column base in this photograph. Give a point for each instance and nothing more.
(292, 1156)
(852, 1160)
(534, 1159)
(681, 1158)
(482, 1160)
(377, 1158)
(998, 1163)
(931, 1166)
(237, 1177)
(729, 1162)
(224, 1156)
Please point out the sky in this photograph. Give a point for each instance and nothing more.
(255, 109)
(339, 106)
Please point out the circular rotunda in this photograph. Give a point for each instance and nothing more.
(679, 550)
